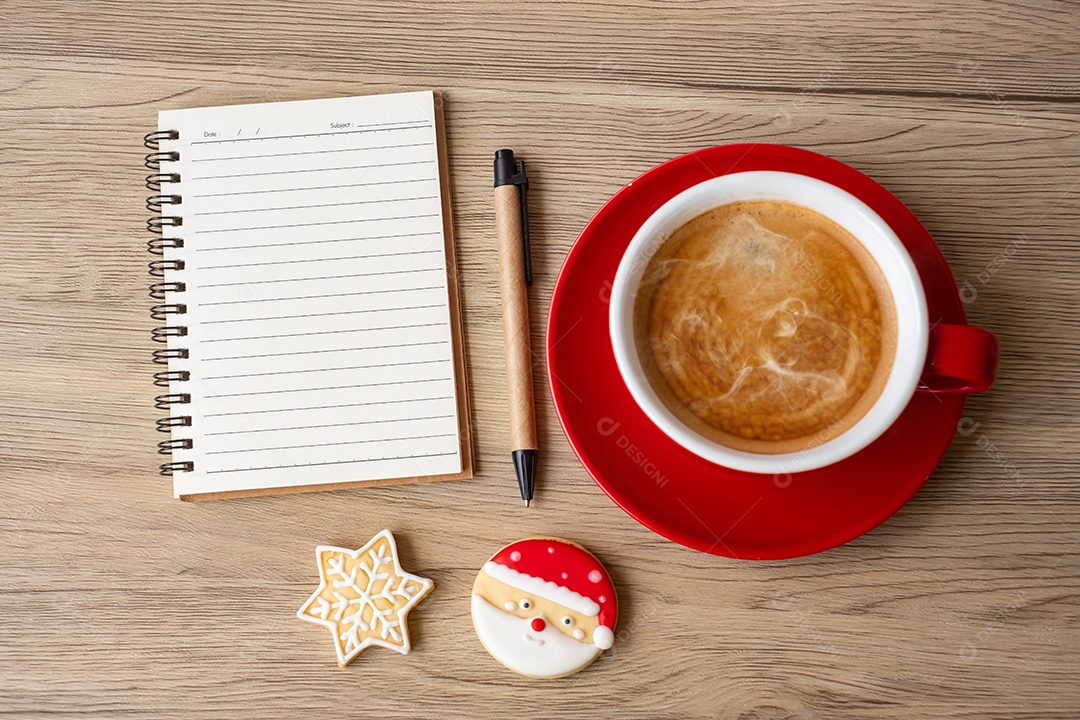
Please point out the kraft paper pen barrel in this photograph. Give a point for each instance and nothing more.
(515, 275)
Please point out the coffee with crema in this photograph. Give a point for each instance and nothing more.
(765, 327)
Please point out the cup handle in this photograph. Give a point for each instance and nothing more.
(960, 359)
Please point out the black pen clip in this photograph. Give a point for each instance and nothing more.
(511, 172)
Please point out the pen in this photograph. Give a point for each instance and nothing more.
(515, 275)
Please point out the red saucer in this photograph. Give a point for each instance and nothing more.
(674, 492)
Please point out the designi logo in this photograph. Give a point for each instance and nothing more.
(607, 427)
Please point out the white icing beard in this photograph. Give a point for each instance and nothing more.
(512, 641)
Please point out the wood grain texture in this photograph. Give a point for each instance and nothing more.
(116, 600)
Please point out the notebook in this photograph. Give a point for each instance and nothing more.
(305, 286)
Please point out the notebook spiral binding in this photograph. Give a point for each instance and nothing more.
(164, 217)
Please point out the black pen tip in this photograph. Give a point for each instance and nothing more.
(525, 468)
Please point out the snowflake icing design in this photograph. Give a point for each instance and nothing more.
(364, 597)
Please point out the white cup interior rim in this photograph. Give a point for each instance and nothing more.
(841, 207)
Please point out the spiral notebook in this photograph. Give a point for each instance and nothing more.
(307, 297)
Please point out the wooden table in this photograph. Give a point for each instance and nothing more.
(116, 600)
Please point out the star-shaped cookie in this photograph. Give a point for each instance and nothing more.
(364, 597)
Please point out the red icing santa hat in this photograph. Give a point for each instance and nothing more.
(563, 573)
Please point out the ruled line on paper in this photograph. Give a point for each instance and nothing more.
(320, 277)
(307, 170)
(362, 129)
(326, 314)
(310, 152)
(330, 425)
(330, 407)
(319, 242)
(327, 295)
(331, 462)
(310, 260)
(328, 387)
(318, 205)
(347, 367)
(325, 332)
(332, 444)
(316, 224)
(314, 187)
(331, 350)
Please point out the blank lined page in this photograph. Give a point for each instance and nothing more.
(317, 300)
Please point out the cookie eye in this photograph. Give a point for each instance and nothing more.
(525, 604)
(568, 621)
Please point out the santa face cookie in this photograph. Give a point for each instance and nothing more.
(544, 607)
